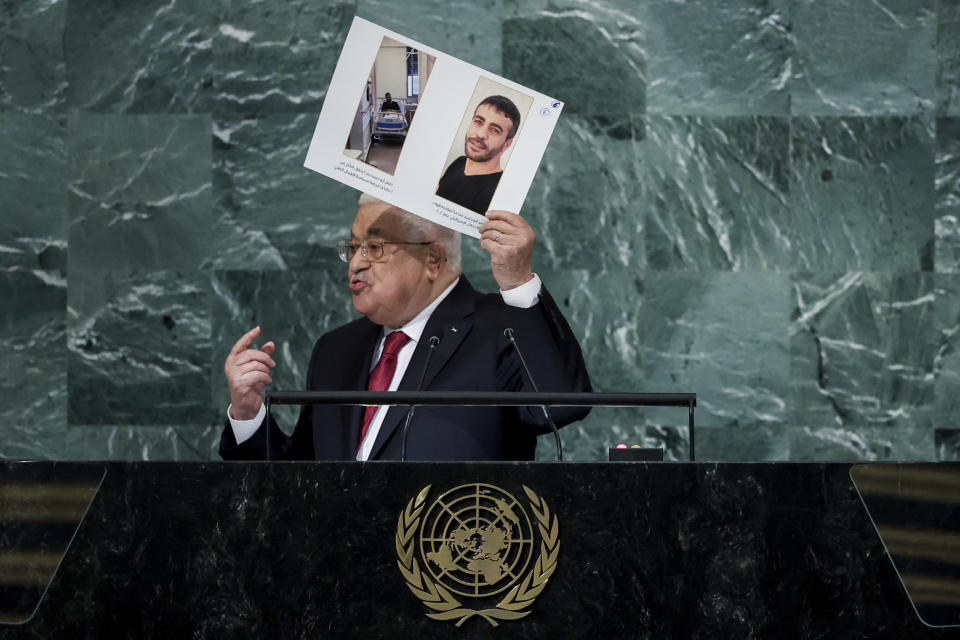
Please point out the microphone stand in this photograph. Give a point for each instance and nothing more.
(266, 424)
(434, 341)
(556, 432)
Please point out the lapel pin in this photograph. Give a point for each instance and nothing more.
(453, 329)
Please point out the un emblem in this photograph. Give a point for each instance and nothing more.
(477, 542)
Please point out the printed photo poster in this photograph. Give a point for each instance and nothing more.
(427, 132)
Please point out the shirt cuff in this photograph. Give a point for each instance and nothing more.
(524, 296)
(244, 429)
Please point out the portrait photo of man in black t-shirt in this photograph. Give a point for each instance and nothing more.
(471, 179)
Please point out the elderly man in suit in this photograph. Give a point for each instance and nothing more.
(405, 278)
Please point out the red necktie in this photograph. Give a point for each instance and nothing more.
(382, 374)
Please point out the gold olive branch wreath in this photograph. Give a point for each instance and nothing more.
(447, 607)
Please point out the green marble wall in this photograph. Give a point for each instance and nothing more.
(758, 201)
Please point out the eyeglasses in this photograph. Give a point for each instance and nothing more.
(372, 249)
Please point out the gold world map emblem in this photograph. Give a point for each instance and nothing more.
(477, 542)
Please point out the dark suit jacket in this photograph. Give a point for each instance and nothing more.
(473, 355)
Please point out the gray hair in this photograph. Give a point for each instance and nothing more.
(419, 229)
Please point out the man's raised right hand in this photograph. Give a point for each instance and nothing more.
(248, 372)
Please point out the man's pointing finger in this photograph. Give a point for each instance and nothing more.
(245, 341)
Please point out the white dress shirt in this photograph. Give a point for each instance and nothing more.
(524, 296)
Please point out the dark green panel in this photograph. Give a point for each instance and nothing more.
(32, 66)
(904, 442)
(715, 191)
(857, 58)
(716, 58)
(139, 191)
(945, 335)
(603, 310)
(181, 442)
(272, 212)
(139, 348)
(34, 383)
(140, 57)
(62, 442)
(948, 58)
(33, 191)
(862, 351)
(465, 29)
(722, 336)
(861, 193)
(743, 442)
(595, 64)
(277, 57)
(948, 195)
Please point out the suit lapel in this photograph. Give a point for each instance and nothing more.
(354, 365)
(450, 322)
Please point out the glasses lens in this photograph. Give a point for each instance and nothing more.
(346, 250)
(374, 249)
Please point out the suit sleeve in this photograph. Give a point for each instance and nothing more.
(299, 446)
(554, 356)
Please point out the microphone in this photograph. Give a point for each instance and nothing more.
(434, 341)
(556, 432)
(266, 423)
